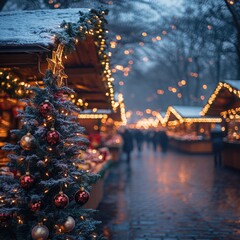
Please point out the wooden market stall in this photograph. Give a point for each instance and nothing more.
(225, 103)
(25, 49)
(187, 130)
(106, 124)
(28, 49)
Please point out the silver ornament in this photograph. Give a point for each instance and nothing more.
(40, 232)
(69, 225)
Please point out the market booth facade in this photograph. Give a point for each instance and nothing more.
(225, 103)
(78, 57)
(25, 54)
(188, 131)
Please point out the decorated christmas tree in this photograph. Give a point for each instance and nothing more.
(45, 198)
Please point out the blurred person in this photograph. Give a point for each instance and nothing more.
(154, 139)
(127, 144)
(139, 136)
(217, 145)
(147, 138)
(163, 140)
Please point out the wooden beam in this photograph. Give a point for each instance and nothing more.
(79, 70)
(21, 59)
(36, 48)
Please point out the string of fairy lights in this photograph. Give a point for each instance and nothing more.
(12, 85)
(93, 25)
(221, 85)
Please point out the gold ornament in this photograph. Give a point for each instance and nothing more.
(28, 141)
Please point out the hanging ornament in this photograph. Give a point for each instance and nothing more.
(35, 206)
(61, 96)
(46, 108)
(27, 181)
(69, 224)
(28, 141)
(53, 137)
(81, 196)
(60, 200)
(40, 232)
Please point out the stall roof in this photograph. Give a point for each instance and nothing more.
(36, 28)
(27, 39)
(188, 111)
(234, 83)
(225, 97)
(186, 114)
(180, 112)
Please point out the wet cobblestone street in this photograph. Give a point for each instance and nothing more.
(175, 196)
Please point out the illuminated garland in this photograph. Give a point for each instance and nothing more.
(12, 86)
(174, 112)
(89, 24)
(181, 119)
(216, 92)
(92, 116)
(230, 112)
(122, 109)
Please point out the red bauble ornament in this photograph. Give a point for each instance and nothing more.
(27, 181)
(46, 108)
(60, 200)
(61, 96)
(53, 137)
(81, 196)
(35, 206)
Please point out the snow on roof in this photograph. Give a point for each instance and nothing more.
(233, 83)
(188, 111)
(34, 27)
(162, 114)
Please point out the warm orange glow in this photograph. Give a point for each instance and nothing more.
(183, 82)
(160, 91)
(118, 37)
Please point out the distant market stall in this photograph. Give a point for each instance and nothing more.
(103, 126)
(225, 103)
(187, 130)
